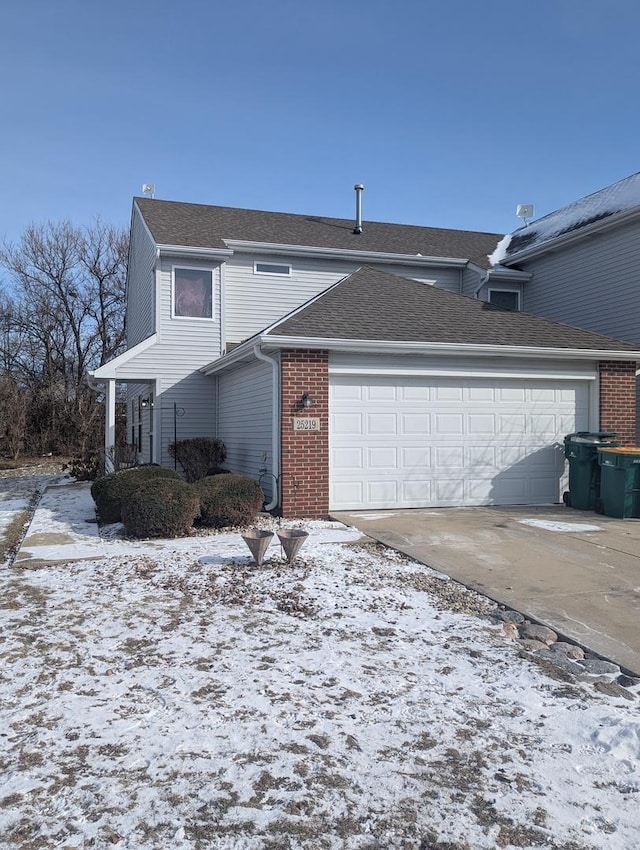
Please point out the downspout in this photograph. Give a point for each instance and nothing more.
(275, 424)
(483, 282)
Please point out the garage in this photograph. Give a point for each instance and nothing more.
(386, 393)
(419, 441)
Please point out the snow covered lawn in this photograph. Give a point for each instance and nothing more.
(188, 699)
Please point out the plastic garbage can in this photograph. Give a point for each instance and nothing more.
(581, 450)
(619, 481)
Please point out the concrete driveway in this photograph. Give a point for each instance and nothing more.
(575, 571)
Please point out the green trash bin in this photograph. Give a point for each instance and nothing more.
(581, 450)
(619, 481)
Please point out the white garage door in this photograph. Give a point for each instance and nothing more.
(421, 442)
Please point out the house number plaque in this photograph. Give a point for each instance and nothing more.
(306, 423)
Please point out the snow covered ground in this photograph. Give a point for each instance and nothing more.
(181, 697)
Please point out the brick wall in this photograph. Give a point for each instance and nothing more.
(618, 399)
(304, 480)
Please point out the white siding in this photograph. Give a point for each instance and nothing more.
(254, 301)
(193, 414)
(245, 420)
(140, 283)
(594, 284)
(376, 364)
(170, 367)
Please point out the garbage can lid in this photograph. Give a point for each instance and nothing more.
(589, 436)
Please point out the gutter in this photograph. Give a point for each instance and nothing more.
(344, 253)
(266, 342)
(451, 348)
(275, 425)
(566, 239)
(203, 253)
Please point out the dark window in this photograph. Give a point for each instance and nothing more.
(272, 268)
(505, 298)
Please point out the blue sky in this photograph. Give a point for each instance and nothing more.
(450, 113)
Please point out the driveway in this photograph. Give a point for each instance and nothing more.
(575, 571)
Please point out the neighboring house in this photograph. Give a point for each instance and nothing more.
(583, 262)
(420, 394)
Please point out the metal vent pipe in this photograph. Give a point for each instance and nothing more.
(359, 190)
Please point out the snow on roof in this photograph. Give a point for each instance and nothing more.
(619, 197)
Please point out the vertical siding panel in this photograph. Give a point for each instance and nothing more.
(140, 283)
(245, 420)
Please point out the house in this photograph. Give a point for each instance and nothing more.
(350, 364)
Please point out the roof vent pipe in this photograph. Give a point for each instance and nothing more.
(359, 190)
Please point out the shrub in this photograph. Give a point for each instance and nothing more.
(228, 500)
(110, 491)
(164, 507)
(85, 468)
(198, 455)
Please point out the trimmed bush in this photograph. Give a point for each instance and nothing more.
(164, 507)
(110, 491)
(197, 456)
(228, 500)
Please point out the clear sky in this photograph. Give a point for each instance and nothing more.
(450, 112)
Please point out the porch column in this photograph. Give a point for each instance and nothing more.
(110, 425)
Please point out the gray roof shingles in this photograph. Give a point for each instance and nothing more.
(203, 226)
(375, 305)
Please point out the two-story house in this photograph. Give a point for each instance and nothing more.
(350, 364)
(582, 262)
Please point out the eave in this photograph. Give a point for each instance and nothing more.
(554, 243)
(365, 257)
(364, 346)
(200, 253)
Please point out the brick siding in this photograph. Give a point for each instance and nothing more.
(618, 399)
(304, 479)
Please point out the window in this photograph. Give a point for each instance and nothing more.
(509, 298)
(193, 293)
(272, 268)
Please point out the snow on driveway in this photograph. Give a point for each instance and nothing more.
(184, 698)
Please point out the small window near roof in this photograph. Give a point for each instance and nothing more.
(193, 293)
(508, 298)
(272, 268)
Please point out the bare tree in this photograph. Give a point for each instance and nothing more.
(63, 316)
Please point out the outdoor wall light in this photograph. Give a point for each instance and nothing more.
(146, 403)
(306, 401)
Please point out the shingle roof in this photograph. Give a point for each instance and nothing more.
(375, 305)
(202, 226)
(622, 196)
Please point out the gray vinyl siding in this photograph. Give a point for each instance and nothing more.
(471, 279)
(140, 315)
(245, 420)
(594, 284)
(194, 399)
(254, 301)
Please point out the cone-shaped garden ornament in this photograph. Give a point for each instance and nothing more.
(292, 540)
(257, 541)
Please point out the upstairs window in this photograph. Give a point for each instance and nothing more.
(193, 293)
(509, 298)
(272, 268)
